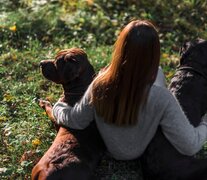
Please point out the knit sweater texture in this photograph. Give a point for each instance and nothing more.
(127, 143)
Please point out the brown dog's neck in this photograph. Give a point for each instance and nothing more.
(71, 98)
(73, 92)
(75, 89)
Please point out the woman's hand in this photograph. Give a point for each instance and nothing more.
(44, 104)
(47, 106)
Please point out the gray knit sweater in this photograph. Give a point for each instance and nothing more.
(126, 143)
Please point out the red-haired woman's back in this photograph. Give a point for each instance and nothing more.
(126, 105)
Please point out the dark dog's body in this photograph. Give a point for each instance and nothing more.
(74, 154)
(161, 161)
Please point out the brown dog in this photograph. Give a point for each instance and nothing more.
(74, 154)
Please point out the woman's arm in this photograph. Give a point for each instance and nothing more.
(186, 138)
(77, 117)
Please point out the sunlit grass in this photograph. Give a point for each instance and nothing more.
(26, 132)
(33, 30)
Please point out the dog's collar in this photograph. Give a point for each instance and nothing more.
(193, 69)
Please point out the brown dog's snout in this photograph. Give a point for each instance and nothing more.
(42, 63)
(49, 70)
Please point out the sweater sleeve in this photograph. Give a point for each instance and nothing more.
(77, 117)
(186, 138)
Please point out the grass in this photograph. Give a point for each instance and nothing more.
(33, 33)
(26, 132)
(25, 129)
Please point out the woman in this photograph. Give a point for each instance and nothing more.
(125, 104)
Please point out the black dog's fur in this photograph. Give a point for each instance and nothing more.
(161, 161)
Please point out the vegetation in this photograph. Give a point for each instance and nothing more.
(32, 30)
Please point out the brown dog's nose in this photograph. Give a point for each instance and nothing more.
(42, 63)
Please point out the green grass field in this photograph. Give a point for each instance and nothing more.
(31, 32)
(25, 129)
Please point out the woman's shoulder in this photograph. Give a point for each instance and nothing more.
(159, 91)
(157, 101)
(159, 95)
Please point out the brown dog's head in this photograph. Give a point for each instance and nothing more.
(68, 65)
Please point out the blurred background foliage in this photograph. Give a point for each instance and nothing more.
(98, 21)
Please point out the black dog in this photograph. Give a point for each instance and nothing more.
(161, 161)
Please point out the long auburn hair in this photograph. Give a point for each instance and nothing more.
(122, 88)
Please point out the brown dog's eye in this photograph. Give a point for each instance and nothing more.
(60, 63)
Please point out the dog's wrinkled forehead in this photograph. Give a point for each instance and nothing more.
(66, 57)
(194, 53)
(73, 54)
